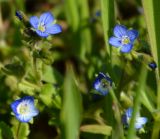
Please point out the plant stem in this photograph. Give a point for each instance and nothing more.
(117, 116)
(36, 87)
(17, 133)
(122, 75)
(142, 80)
(37, 74)
(155, 132)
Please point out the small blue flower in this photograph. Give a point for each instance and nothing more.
(140, 121)
(95, 17)
(152, 65)
(19, 15)
(123, 38)
(24, 109)
(102, 83)
(98, 13)
(45, 26)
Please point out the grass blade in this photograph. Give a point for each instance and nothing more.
(107, 8)
(85, 32)
(72, 14)
(152, 15)
(71, 109)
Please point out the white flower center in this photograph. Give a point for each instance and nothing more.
(125, 40)
(41, 27)
(23, 108)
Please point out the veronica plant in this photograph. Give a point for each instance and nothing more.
(24, 109)
(123, 38)
(102, 83)
(140, 121)
(45, 25)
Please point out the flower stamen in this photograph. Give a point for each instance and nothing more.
(23, 108)
(125, 40)
(41, 27)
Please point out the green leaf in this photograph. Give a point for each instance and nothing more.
(5, 130)
(46, 94)
(72, 14)
(97, 129)
(85, 32)
(21, 4)
(55, 120)
(107, 8)
(28, 87)
(20, 130)
(71, 108)
(152, 16)
(1, 134)
(12, 69)
(49, 95)
(51, 75)
(45, 55)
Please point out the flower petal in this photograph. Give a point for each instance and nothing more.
(14, 105)
(46, 18)
(34, 21)
(96, 84)
(152, 65)
(100, 76)
(102, 83)
(33, 110)
(120, 30)
(129, 112)
(140, 121)
(54, 29)
(126, 48)
(115, 41)
(42, 34)
(132, 34)
(23, 118)
(103, 91)
(19, 15)
(28, 98)
(124, 119)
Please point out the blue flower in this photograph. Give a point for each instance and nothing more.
(102, 83)
(95, 17)
(152, 65)
(140, 121)
(24, 109)
(45, 26)
(19, 15)
(98, 13)
(123, 38)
